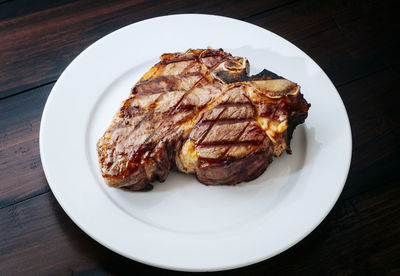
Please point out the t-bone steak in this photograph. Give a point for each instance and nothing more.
(199, 112)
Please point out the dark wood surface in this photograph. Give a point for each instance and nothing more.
(355, 42)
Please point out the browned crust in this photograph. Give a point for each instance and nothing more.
(232, 172)
(155, 157)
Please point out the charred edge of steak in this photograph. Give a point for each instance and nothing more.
(264, 75)
(191, 54)
(162, 165)
(241, 74)
(141, 183)
(138, 188)
(236, 171)
(298, 117)
(230, 78)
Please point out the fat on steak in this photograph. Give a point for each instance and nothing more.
(199, 112)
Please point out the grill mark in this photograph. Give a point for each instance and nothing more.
(141, 122)
(127, 111)
(187, 58)
(131, 111)
(170, 80)
(237, 139)
(194, 125)
(187, 68)
(247, 97)
(157, 79)
(124, 109)
(219, 53)
(184, 107)
(138, 155)
(227, 121)
(187, 92)
(154, 104)
(139, 111)
(225, 58)
(172, 111)
(279, 106)
(174, 108)
(210, 126)
(212, 53)
(143, 89)
(143, 148)
(235, 104)
(230, 143)
(190, 74)
(125, 124)
(177, 59)
(227, 104)
(223, 161)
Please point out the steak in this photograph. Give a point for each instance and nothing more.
(199, 112)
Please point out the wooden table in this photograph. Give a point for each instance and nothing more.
(355, 42)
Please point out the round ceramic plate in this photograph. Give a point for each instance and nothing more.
(182, 224)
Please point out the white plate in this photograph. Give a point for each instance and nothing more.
(182, 224)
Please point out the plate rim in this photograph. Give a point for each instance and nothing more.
(172, 267)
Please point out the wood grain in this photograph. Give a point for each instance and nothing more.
(355, 42)
(375, 128)
(31, 58)
(330, 32)
(36, 48)
(19, 8)
(20, 166)
(357, 236)
(371, 165)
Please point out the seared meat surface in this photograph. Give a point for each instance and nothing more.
(199, 112)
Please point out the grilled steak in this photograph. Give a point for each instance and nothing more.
(199, 112)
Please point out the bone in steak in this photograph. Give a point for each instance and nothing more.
(199, 112)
